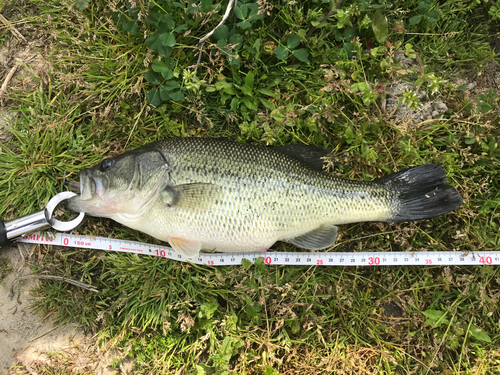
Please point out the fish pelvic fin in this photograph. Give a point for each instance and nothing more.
(317, 239)
(421, 193)
(189, 249)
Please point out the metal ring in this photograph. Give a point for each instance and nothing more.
(57, 224)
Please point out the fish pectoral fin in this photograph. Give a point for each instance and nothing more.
(320, 238)
(188, 248)
(191, 196)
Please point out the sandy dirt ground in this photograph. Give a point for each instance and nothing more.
(30, 342)
(25, 335)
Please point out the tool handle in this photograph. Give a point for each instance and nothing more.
(3, 234)
(12, 230)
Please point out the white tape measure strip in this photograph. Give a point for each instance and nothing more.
(440, 258)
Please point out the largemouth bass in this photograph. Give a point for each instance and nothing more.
(219, 195)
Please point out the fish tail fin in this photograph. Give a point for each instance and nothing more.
(421, 193)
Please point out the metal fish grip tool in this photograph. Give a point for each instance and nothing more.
(13, 230)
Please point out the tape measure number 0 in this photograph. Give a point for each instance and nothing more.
(422, 258)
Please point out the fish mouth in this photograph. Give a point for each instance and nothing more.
(91, 187)
(97, 187)
(74, 186)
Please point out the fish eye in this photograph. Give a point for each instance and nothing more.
(107, 164)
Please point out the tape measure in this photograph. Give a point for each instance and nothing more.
(422, 258)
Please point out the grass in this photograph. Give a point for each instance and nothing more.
(255, 319)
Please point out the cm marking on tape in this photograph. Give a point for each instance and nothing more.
(421, 258)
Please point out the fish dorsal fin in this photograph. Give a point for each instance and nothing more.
(320, 238)
(191, 196)
(307, 154)
(189, 249)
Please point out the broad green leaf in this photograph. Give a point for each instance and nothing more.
(171, 85)
(266, 91)
(153, 42)
(293, 41)
(379, 25)
(267, 104)
(244, 24)
(484, 107)
(254, 12)
(301, 54)
(249, 79)
(409, 51)
(152, 77)
(227, 87)
(164, 94)
(221, 32)
(207, 309)
(350, 33)
(281, 52)
(423, 7)
(235, 103)
(170, 62)
(434, 314)
(166, 23)
(206, 5)
(250, 49)
(432, 16)
(131, 27)
(167, 39)
(257, 44)
(359, 86)
(415, 20)
(153, 98)
(246, 264)
(164, 51)
(479, 334)
(246, 90)
(470, 139)
(435, 317)
(180, 28)
(241, 11)
(249, 103)
(237, 40)
(158, 66)
(222, 44)
(177, 96)
(234, 60)
(167, 74)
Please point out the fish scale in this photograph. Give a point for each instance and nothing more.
(220, 195)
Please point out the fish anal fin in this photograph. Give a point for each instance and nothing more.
(317, 239)
(188, 248)
(191, 196)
